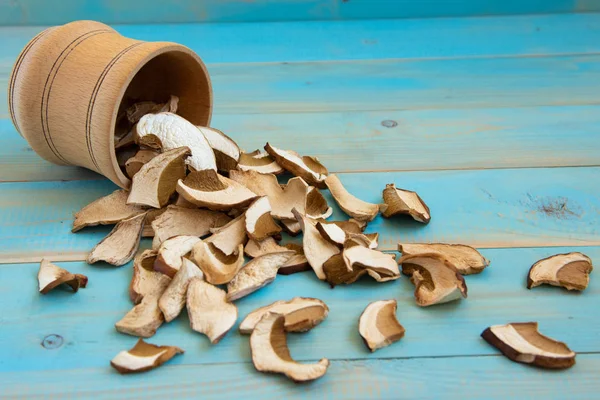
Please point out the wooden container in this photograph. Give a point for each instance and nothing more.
(70, 82)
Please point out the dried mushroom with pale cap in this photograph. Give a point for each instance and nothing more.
(571, 271)
(291, 226)
(145, 280)
(227, 152)
(354, 207)
(466, 259)
(379, 326)
(270, 353)
(259, 223)
(135, 163)
(218, 267)
(259, 162)
(173, 299)
(298, 262)
(337, 273)
(171, 251)
(230, 236)
(400, 201)
(301, 314)
(121, 244)
(522, 342)
(308, 168)
(380, 266)
(106, 210)
(51, 276)
(339, 237)
(143, 357)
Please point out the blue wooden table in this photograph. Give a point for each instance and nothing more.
(492, 116)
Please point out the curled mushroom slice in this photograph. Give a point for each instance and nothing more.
(380, 266)
(259, 223)
(229, 237)
(143, 357)
(106, 210)
(298, 263)
(121, 244)
(338, 236)
(400, 201)
(379, 326)
(144, 319)
(522, 342)
(51, 276)
(173, 299)
(436, 280)
(256, 248)
(308, 168)
(301, 314)
(354, 207)
(145, 280)
(259, 162)
(168, 131)
(135, 163)
(291, 226)
(571, 271)
(337, 273)
(316, 206)
(170, 254)
(270, 353)
(218, 268)
(209, 310)
(466, 259)
(256, 274)
(227, 152)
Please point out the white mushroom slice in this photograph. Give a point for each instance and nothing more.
(229, 237)
(298, 263)
(144, 319)
(171, 252)
(571, 271)
(151, 215)
(522, 342)
(301, 314)
(256, 274)
(384, 265)
(260, 162)
(121, 244)
(354, 207)
(259, 223)
(218, 268)
(379, 326)
(270, 353)
(291, 226)
(106, 210)
(436, 280)
(145, 280)
(135, 163)
(227, 152)
(466, 259)
(308, 168)
(143, 357)
(168, 131)
(400, 201)
(182, 221)
(209, 310)
(260, 248)
(51, 276)
(173, 298)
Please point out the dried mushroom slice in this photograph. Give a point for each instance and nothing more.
(145, 280)
(436, 280)
(218, 268)
(270, 353)
(170, 254)
(51, 276)
(135, 112)
(121, 244)
(229, 237)
(298, 262)
(125, 141)
(301, 314)
(338, 236)
(209, 310)
(106, 210)
(151, 215)
(522, 342)
(125, 154)
(380, 266)
(354, 207)
(259, 223)
(316, 206)
(466, 259)
(337, 273)
(291, 226)
(227, 152)
(173, 299)
(143, 357)
(144, 319)
(379, 326)
(168, 131)
(260, 248)
(308, 168)
(259, 162)
(571, 271)
(135, 163)
(400, 201)
(256, 274)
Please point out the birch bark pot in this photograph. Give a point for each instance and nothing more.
(70, 82)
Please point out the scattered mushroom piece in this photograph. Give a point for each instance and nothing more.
(171, 252)
(121, 244)
(256, 274)
(106, 210)
(308, 168)
(400, 201)
(301, 314)
(227, 152)
(436, 280)
(209, 310)
(270, 353)
(466, 259)
(51, 276)
(354, 207)
(339, 237)
(230, 236)
(143, 357)
(144, 319)
(381, 266)
(135, 163)
(522, 342)
(151, 215)
(173, 299)
(260, 248)
(259, 162)
(316, 206)
(218, 268)
(259, 223)
(337, 273)
(379, 326)
(298, 263)
(145, 280)
(571, 271)
(291, 226)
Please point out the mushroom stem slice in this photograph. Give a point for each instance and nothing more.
(144, 319)
(354, 207)
(379, 326)
(121, 244)
(571, 271)
(384, 265)
(308, 168)
(218, 268)
(522, 342)
(51, 276)
(173, 299)
(260, 162)
(301, 314)
(135, 163)
(170, 253)
(270, 353)
(106, 210)
(400, 201)
(143, 357)
(259, 223)
(145, 280)
(229, 237)
(209, 311)
(227, 152)
(466, 259)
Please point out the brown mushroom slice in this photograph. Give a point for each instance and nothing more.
(270, 353)
(298, 263)
(171, 252)
(106, 210)
(230, 236)
(379, 326)
(256, 248)
(400, 201)
(135, 112)
(259, 223)
(354, 207)
(571, 271)
(135, 163)
(121, 244)
(218, 268)
(301, 314)
(380, 266)
(466, 259)
(145, 280)
(522, 342)
(143, 357)
(151, 215)
(337, 273)
(316, 205)
(227, 152)
(209, 310)
(308, 168)
(260, 162)
(173, 299)
(145, 318)
(125, 141)
(338, 236)
(256, 274)
(51, 276)
(125, 154)
(436, 280)
(182, 221)
(291, 226)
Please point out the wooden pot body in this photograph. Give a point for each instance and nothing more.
(70, 82)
